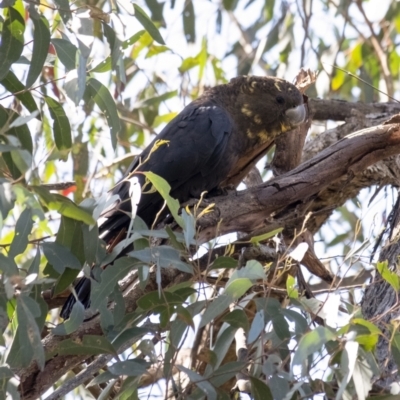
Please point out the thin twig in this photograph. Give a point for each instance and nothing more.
(83, 376)
(379, 52)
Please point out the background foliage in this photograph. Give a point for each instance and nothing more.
(83, 88)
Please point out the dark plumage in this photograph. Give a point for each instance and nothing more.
(213, 143)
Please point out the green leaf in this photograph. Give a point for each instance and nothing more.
(8, 266)
(5, 375)
(189, 229)
(222, 345)
(224, 262)
(189, 63)
(312, 342)
(61, 126)
(395, 348)
(60, 257)
(34, 267)
(13, 85)
(66, 52)
(64, 280)
(21, 121)
(163, 187)
(163, 256)
(204, 385)
(156, 50)
(189, 19)
(253, 270)
(68, 235)
(225, 372)
(74, 321)
(41, 42)
(109, 278)
(5, 372)
(148, 24)
(103, 66)
(281, 327)
(230, 5)
(257, 326)
(238, 319)
(101, 96)
(94, 248)
(301, 324)
(129, 368)
(31, 347)
(155, 299)
(260, 238)
(23, 228)
(218, 306)
(238, 287)
(133, 39)
(12, 40)
(90, 345)
(129, 334)
(291, 288)
(22, 159)
(101, 378)
(64, 10)
(369, 325)
(115, 46)
(389, 276)
(260, 390)
(63, 205)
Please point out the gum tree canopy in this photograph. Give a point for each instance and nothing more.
(285, 287)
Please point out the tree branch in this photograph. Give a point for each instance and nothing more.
(295, 191)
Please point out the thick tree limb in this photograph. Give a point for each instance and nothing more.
(340, 110)
(246, 210)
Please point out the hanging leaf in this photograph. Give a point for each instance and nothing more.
(390, 277)
(22, 133)
(63, 205)
(148, 24)
(312, 342)
(203, 384)
(189, 19)
(129, 367)
(41, 42)
(12, 40)
(101, 96)
(133, 39)
(64, 10)
(61, 126)
(31, 347)
(23, 229)
(109, 278)
(163, 187)
(13, 85)
(66, 52)
(60, 257)
(260, 390)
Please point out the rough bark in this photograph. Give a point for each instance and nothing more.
(299, 191)
(381, 302)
